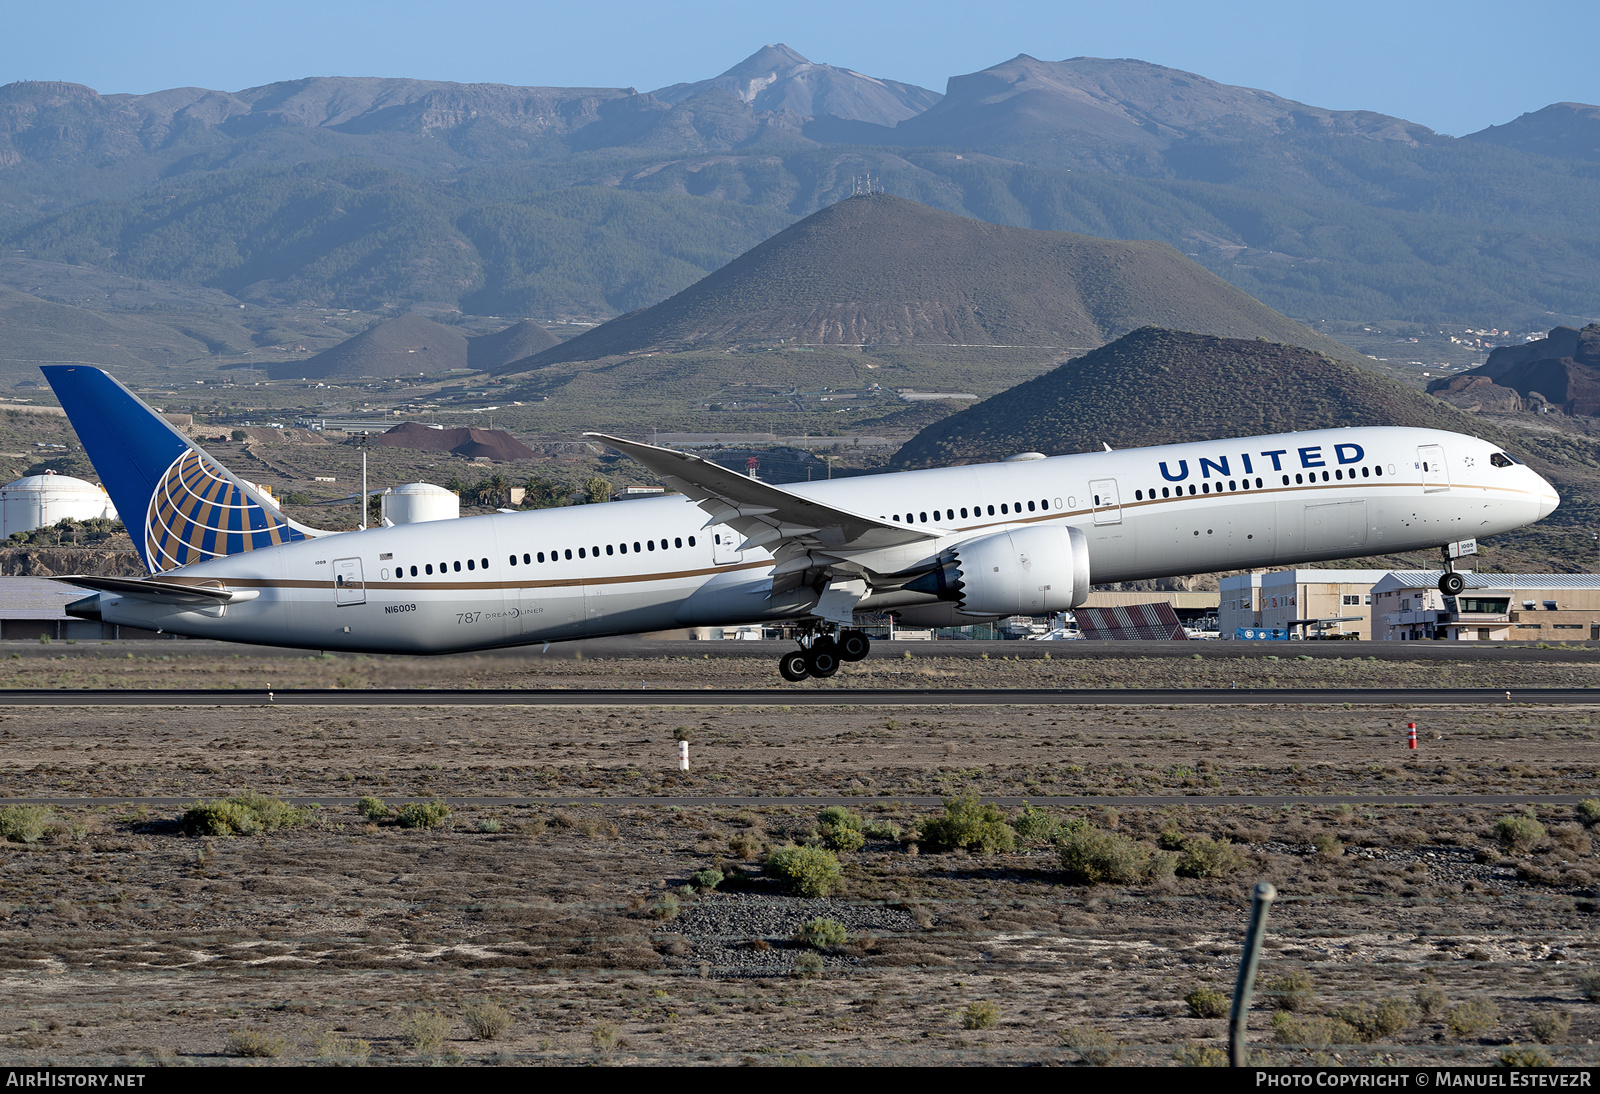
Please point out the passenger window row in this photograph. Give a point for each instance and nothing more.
(977, 511)
(444, 567)
(1202, 488)
(530, 558)
(1338, 473)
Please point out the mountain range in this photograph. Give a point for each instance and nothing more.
(367, 192)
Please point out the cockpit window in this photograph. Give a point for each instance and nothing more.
(1500, 459)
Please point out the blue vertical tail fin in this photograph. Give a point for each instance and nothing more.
(178, 503)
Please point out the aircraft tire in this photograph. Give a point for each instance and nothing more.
(822, 660)
(854, 645)
(1451, 584)
(792, 666)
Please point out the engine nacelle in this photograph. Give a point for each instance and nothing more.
(1026, 571)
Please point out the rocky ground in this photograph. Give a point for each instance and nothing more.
(349, 938)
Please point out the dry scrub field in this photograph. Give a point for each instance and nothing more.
(609, 664)
(347, 940)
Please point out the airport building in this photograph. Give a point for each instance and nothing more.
(1408, 606)
(1302, 603)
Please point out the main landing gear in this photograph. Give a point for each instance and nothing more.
(1450, 582)
(821, 652)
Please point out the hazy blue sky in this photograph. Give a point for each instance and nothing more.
(1456, 67)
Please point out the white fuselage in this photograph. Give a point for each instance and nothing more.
(652, 565)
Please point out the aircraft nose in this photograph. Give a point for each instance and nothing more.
(1548, 498)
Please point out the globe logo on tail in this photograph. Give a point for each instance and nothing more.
(198, 513)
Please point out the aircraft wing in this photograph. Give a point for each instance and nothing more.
(800, 532)
(162, 592)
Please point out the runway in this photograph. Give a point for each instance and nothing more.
(800, 695)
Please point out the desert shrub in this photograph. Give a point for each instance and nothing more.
(1207, 1003)
(665, 906)
(969, 824)
(1034, 825)
(839, 816)
(243, 815)
(1095, 1047)
(1171, 838)
(881, 829)
(808, 964)
(605, 1037)
(1327, 844)
(1293, 991)
(1387, 1017)
(1518, 833)
(487, 1020)
(707, 879)
(329, 1045)
(425, 1031)
(24, 823)
(1472, 1018)
(822, 933)
(1550, 1027)
(422, 814)
(1312, 1031)
(980, 1015)
(1203, 857)
(746, 845)
(1589, 810)
(1090, 855)
(489, 825)
(1588, 984)
(1198, 1055)
(1530, 1056)
(845, 839)
(254, 1042)
(807, 871)
(1431, 999)
(841, 829)
(374, 809)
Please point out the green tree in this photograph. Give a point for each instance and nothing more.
(544, 494)
(598, 489)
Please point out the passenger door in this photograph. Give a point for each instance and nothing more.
(725, 545)
(348, 585)
(1107, 503)
(1435, 473)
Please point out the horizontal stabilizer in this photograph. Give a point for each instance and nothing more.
(162, 592)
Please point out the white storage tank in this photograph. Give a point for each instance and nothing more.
(39, 500)
(418, 501)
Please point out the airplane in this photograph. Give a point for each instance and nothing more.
(1029, 535)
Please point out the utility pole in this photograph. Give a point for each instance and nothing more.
(364, 482)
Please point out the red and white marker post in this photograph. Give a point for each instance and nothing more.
(1411, 735)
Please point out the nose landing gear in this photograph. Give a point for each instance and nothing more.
(1450, 582)
(821, 653)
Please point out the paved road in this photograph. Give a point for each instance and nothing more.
(648, 648)
(819, 800)
(799, 695)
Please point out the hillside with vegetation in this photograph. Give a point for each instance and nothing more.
(877, 270)
(1189, 387)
